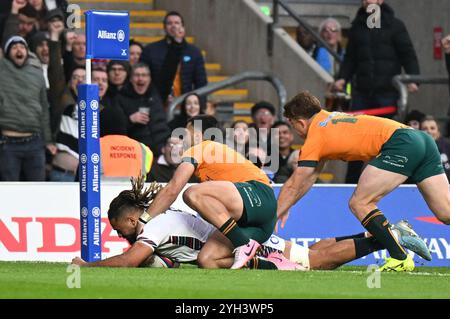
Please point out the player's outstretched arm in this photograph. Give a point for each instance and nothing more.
(169, 194)
(295, 188)
(133, 257)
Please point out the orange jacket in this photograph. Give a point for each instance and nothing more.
(124, 157)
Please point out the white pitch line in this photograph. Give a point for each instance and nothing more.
(360, 272)
(429, 274)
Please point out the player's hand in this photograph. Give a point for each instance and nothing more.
(139, 118)
(17, 5)
(55, 28)
(52, 148)
(70, 37)
(282, 217)
(78, 261)
(258, 153)
(446, 44)
(413, 88)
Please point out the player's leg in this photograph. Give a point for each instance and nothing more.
(277, 253)
(342, 252)
(435, 191)
(324, 243)
(374, 184)
(297, 253)
(221, 204)
(216, 253)
(336, 252)
(432, 181)
(215, 201)
(408, 153)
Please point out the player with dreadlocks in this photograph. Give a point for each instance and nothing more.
(177, 237)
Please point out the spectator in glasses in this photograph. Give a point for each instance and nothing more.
(330, 32)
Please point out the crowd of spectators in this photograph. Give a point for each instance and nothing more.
(371, 58)
(43, 62)
(430, 125)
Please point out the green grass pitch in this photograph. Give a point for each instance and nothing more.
(48, 280)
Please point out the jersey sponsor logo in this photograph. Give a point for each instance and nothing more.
(351, 120)
(274, 239)
(395, 160)
(338, 117)
(253, 198)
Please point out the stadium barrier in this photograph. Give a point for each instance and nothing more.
(40, 222)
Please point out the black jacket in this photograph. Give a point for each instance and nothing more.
(113, 91)
(374, 56)
(5, 10)
(156, 132)
(163, 58)
(180, 120)
(113, 120)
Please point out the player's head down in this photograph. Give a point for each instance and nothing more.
(300, 110)
(125, 210)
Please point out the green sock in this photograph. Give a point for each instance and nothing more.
(232, 231)
(378, 226)
(258, 263)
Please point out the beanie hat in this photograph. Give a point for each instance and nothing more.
(54, 13)
(14, 40)
(37, 40)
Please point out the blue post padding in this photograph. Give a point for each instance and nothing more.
(107, 34)
(89, 171)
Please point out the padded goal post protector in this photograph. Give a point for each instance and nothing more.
(107, 37)
(107, 34)
(89, 171)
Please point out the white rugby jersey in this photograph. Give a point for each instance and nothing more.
(180, 236)
(176, 235)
